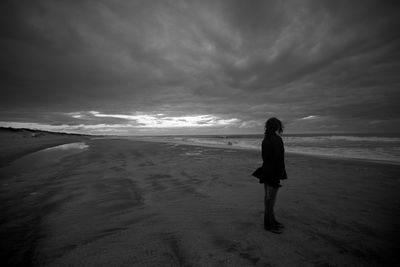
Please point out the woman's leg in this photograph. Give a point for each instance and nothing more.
(269, 202)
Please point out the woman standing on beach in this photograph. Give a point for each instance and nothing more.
(272, 171)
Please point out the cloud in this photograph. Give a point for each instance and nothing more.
(162, 121)
(311, 117)
(192, 59)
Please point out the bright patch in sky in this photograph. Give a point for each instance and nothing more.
(137, 123)
(311, 117)
(162, 121)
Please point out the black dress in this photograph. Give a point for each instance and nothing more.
(273, 155)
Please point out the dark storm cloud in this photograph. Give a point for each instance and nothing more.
(335, 60)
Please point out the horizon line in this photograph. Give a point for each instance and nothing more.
(203, 134)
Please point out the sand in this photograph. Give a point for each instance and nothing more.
(136, 203)
(16, 143)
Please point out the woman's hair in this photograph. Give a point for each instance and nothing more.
(272, 125)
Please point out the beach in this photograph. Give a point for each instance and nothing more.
(18, 142)
(123, 202)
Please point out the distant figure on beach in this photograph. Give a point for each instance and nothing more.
(272, 171)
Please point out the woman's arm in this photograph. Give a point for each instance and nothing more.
(279, 158)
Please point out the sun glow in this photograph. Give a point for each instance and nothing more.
(162, 121)
(90, 122)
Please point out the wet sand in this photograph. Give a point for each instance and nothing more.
(134, 203)
(16, 143)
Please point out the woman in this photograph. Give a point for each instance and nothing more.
(272, 171)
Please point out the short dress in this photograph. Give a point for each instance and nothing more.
(273, 154)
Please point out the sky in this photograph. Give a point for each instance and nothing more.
(200, 67)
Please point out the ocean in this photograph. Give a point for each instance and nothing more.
(375, 147)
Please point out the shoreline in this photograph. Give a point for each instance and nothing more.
(38, 145)
(15, 145)
(385, 162)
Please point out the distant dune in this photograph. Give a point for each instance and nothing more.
(34, 132)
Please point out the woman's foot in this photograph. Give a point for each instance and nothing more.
(279, 225)
(274, 229)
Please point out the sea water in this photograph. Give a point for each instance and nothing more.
(376, 147)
